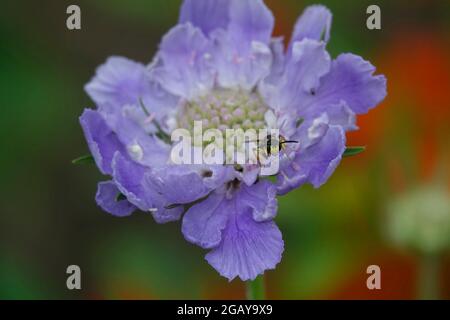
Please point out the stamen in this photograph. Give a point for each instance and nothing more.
(151, 118)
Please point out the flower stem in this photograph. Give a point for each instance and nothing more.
(255, 289)
(429, 277)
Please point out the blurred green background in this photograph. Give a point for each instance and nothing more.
(48, 216)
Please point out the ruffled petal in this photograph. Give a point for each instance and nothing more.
(185, 66)
(314, 23)
(340, 114)
(278, 62)
(237, 227)
(106, 198)
(102, 141)
(203, 223)
(183, 184)
(179, 184)
(315, 163)
(206, 14)
(246, 20)
(242, 54)
(131, 179)
(268, 87)
(260, 198)
(250, 20)
(240, 67)
(308, 64)
(248, 248)
(321, 159)
(118, 81)
(145, 149)
(350, 80)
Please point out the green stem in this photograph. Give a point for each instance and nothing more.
(255, 289)
(429, 277)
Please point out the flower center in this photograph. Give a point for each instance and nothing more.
(224, 109)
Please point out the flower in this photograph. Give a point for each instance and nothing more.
(420, 220)
(221, 66)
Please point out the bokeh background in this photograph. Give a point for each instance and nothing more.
(49, 219)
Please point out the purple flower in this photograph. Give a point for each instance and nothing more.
(220, 65)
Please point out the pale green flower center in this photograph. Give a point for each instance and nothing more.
(224, 109)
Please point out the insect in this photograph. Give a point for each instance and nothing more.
(271, 145)
(270, 149)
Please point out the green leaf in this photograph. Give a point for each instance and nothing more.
(272, 179)
(86, 159)
(353, 151)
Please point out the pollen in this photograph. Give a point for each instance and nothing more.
(135, 151)
(224, 109)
